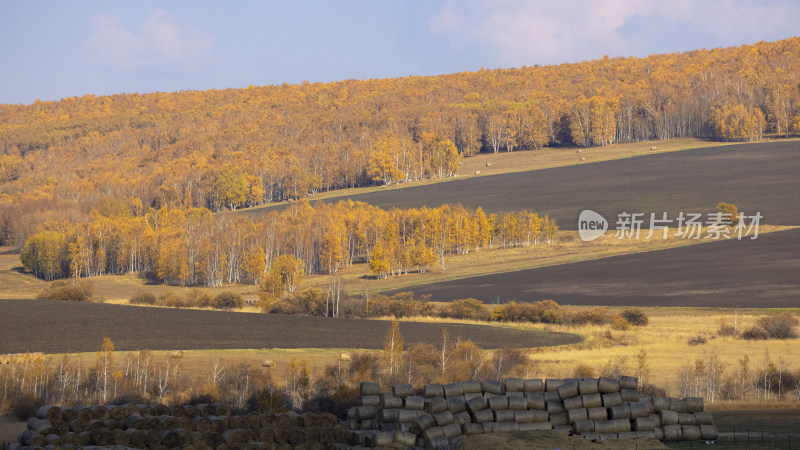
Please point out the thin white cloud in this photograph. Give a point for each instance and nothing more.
(525, 32)
(160, 42)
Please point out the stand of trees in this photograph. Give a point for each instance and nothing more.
(194, 247)
(242, 147)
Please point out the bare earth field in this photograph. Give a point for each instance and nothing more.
(755, 177)
(761, 273)
(62, 327)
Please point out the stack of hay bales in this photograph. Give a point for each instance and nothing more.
(160, 426)
(599, 409)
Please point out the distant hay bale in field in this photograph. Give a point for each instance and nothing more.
(268, 363)
(583, 158)
(653, 148)
(488, 164)
(345, 357)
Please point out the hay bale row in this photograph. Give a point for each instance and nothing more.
(150, 431)
(604, 408)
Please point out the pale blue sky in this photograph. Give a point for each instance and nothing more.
(51, 49)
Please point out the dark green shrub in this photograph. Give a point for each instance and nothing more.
(67, 290)
(225, 300)
(143, 298)
(635, 317)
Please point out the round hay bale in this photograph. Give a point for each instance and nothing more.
(517, 403)
(406, 416)
(709, 432)
(432, 433)
(660, 403)
(678, 405)
(435, 405)
(668, 418)
(597, 413)
(235, 438)
(121, 438)
(414, 402)
(191, 411)
(370, 388)
(390, 401)
(551, 396)
(573, 403)
(524, 416)
(159, 409)
(559, 419)
(592, 400)
(567, 390)
(539, 415)
(443, 418)
(621, 425)
(483, 416)
(671, 433)
(471, 387)
(85, 438)
(588, 386)
(514, 384)
(94, 425)
(433, 391)
(535, 400)
(612, 399)
(67, 414)
(492, 387)
(168, 422)
(583, 426)
(48, 412)
(575, 415)
(504, 415)
(462, 417)
(564, 429)
(591, 437)
(476, 403)
(534, 426)
(693, 404)
(78, 425)
(222, 409)
(533, 385)
(370, 400)
(626, 435)
(658, 433)
(135, 421)
(144, 410)
(498, 402)
(626, 382)
(643, 424)
(112, 424)
(405, 438)
(551, 384)
(82, 412)
(99, 412)
(608, 437)
(387, 415)
(607, 386)
(686, 419)
(703, 418)
(177, 410)
(508, 427)
(453, 389)
(61, 427)
(116, 413)
(555, 407)
(690, 433)
(629, 395)
(366, 412)
(469, 429)
(639, 409)
(42, 426)
(201, 424)
(71, 438)
(619, 412)
(32, 438)
(423, 422)
(129, 408)
(451, 430)
(457, 404)
(103, 437)
(656, 419)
